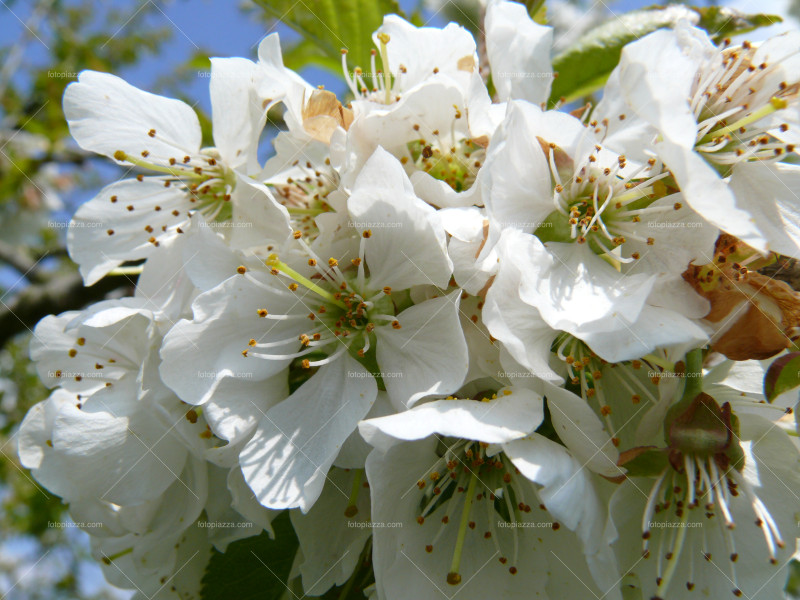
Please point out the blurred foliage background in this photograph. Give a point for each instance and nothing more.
(164, 48)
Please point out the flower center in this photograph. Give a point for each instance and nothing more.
(585, 371)
(466, 477)
(455, 161)
(343, 310)
(601, 206)
(684, 499)
(204, 179)
(702, 478)
(306, 197)
(732, 100)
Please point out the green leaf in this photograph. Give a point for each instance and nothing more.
(721, 22)
(308, 52)
(327, 26)
(255, 568)
(793, 582)
(537, 9)
(584, 67)
(782, 376)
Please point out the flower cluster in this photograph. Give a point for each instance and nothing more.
(500, 350)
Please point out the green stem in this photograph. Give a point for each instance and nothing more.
(349, 585)
(352, 503)
(350, 582)
(692, 387)
(109, 559)
(693, 376)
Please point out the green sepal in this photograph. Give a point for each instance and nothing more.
(648, 462)
(783, 375)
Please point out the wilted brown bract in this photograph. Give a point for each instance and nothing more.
(756, 316)
(466, 63)
(323, 113)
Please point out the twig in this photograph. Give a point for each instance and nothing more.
(59, 294)
(18, 258)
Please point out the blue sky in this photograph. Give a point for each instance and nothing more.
(215, 27)
(218, 28)
(221, 29)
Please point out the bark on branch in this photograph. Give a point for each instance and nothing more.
(56, 295)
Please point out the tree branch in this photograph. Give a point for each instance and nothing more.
(20, 260)
(59, 294)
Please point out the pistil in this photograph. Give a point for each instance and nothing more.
(454, 577)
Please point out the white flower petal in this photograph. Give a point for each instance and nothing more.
(355, 450)
(577, 291)
(519, 326)
(582, 431)
(474, 260)
(245, 503)
(81, 454)
(258, 218)
(127, 220)
(279, 83)
(287, 460)
(646, 66)
(769, 193)
(197, 355)
(84, 351)
(655, 328)
(106, 114)
(427, 355)
(403, 566)
(519, 190)
(225, 523)
(408, 243)
(450, 50)
(330, 559)
(208, 259)
(709, 195)
(238, 114)
(164, 284)
(416, 115)
(514, 414)
(519, 52)
(571, 498)
(236, 408)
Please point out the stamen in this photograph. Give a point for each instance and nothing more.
(350, 82)
(649, 509)
(109, 559)
(383, 38)
(179, 173)
(324, 361)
